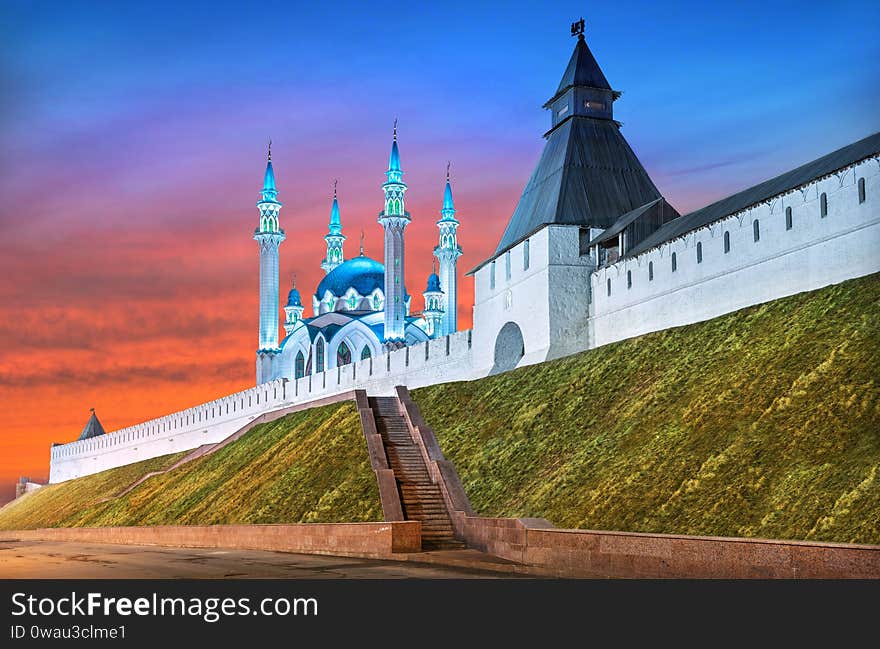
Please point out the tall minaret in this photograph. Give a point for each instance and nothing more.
(334, 238)
(269, 236)
(448, 253)
(394, 218)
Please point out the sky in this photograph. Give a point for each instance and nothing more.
(133, 144)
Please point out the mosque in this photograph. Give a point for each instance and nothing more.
(360, 310)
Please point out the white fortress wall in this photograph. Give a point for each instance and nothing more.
(435, 361)
(815, 252)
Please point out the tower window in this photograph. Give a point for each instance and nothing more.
(609, 286)
(726, 242)
(699, 252)
(507, 266)
(526, 255)
(788, 221)
(861, 190)
(674, 262)
(756, 230)
(492, 275)
(365, 353)
(823, 205)
(629, 279)
(650, 271)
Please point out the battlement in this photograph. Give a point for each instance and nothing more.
(434, 361)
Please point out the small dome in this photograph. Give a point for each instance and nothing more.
(293, 298)
(362, 274)
(433, 284)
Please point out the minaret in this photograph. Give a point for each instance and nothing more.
(433, 311)
(269, 236)
(334, 238)
(293, 311)
(447, 254)
(394, 218)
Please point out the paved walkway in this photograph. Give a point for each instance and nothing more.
(69, 560)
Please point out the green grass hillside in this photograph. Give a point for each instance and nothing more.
(760, 423)
(307, 467)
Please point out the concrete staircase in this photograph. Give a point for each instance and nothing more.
(421, 499)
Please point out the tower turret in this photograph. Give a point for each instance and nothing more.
(269, 236)
(394, 219)
(293, 310)
(447, 253)
(334, 237)
(433, 311)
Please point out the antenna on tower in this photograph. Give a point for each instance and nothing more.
(448, 164)
(269, 156)
(395, 129)
(335, 180)
(294, 280)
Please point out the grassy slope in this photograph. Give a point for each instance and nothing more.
(764, 422)
(310, 466)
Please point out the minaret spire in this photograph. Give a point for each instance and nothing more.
(433, 311)
(293, 310)
(269, 236)
(334, 237)
(447, 252)
(394, 219)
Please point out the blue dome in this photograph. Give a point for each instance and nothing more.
(363, 274)
(293, 298)
(433, 284)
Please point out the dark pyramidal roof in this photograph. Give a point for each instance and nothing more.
(582, 70)
(587, 174)
(93, 428)
(790, 180)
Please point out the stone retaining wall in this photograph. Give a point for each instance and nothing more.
(376, 540)
(587, 553)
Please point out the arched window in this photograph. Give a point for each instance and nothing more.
(343, 354)
(299, 366)
(629, 279)
(674, 262)
(377, 303)
(366, 353)
(650, 271)
(861, 190)
(319, 355)
(609, 286)
(788, 221)
(756, 230)
(699, 252)
(823, 205)
(726, 242)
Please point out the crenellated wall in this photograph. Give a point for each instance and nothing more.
(435, 361)
(795, 251)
